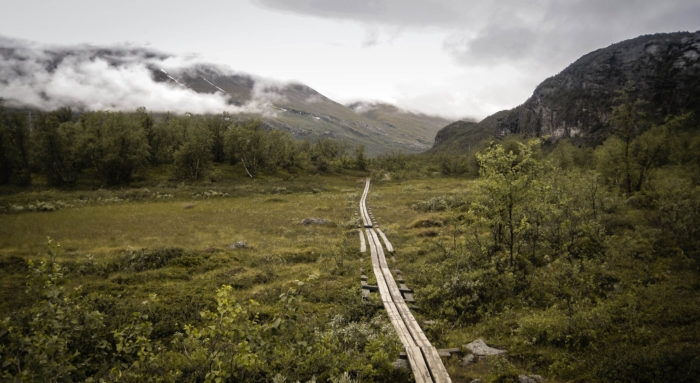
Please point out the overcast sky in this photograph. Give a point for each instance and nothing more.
(456, 58)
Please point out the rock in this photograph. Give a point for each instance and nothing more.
(315, 221)
(480, 348)
(467, 360)
(475, 381)
(530, 379)
(239, 245)
(401, 364)
(188, 206)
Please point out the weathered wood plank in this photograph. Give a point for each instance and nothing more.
(387, 244)
(423, 357)
(363, 244)
(406, 292)
(366, 220)
(418, 363)
(365, 286)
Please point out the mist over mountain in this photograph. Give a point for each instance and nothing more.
(125, 77)
(661, 70)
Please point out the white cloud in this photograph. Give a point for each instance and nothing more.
(115, 78)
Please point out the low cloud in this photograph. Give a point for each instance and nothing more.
(108, 78)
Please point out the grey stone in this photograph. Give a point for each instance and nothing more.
(475, 381)
(239, 245)
(530, 379)
(467, 360)
(401, 364)
(480, 348)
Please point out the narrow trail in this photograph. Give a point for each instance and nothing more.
(422, 356)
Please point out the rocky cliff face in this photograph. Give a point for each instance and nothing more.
(661, 69)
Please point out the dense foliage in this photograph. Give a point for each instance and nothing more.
(583, 263)
(63, 334)
(113, 147)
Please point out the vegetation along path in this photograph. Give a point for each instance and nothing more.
(422, 356)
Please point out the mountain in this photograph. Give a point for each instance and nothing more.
(124, 78)
(662, 70)
(407, 124)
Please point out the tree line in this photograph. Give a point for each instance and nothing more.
(112, 147)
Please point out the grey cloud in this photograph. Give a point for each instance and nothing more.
(371, 37)
(549, 32)
(498, 42)
(394, 12)
(111, 78)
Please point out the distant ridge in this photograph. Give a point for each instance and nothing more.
(123, 78)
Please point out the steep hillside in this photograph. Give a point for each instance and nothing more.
(663, 70)
(462, 136)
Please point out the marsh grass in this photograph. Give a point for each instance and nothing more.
(140, 244)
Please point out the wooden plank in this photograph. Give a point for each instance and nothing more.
(365, 286)
(363, 245)
(389, 246)
(430, 353)
(396, 296)
(417, 362)
(407, 293)
(423, 357)
(366, 220)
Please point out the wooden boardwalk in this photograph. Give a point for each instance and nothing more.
(423, 357)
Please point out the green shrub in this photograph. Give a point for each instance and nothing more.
(144, 259)
(440, 203)
(58, 337)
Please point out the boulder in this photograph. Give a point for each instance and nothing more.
(480, 348)
(530, 379)
(467, 360)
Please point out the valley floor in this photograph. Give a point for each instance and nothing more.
(164, 253)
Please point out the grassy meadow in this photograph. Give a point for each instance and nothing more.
(165, 251)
